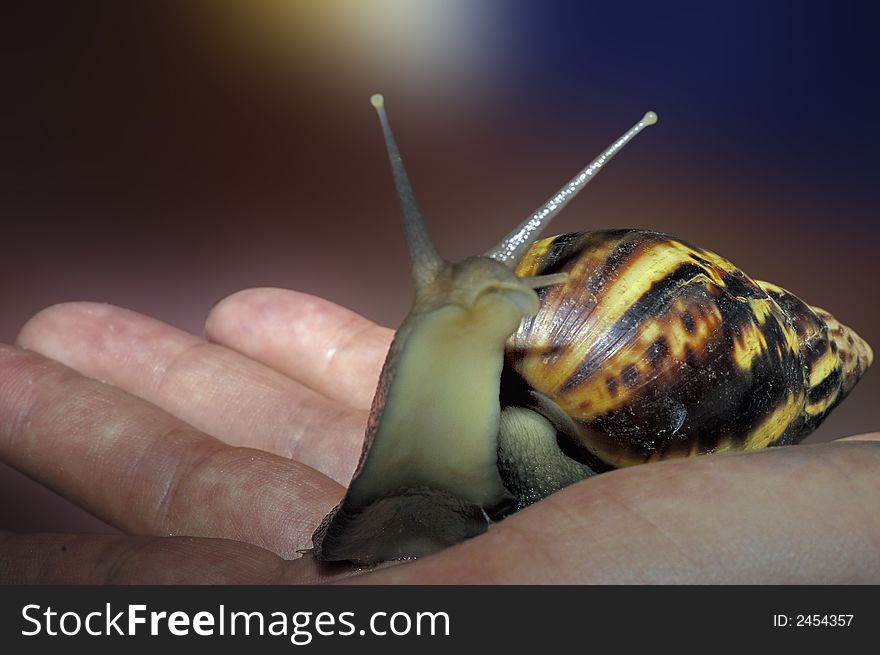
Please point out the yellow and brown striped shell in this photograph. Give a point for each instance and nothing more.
(656, 348)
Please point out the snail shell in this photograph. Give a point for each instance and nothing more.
(541, 363)
(656, 348)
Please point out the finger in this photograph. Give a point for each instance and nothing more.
(210, 387)
(784, 516)
(326, 347)
(145, 471)
(868, 436)
(114, 559)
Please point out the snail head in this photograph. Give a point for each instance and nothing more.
(428, 474)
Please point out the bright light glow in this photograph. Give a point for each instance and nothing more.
(426, 43)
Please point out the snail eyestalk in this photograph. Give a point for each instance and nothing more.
(517, 242)
(425, 261)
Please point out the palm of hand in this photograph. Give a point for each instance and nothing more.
(283, 385)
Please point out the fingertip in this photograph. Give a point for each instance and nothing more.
(314, 341)
(259, 311)
(867, 436)
(101, 340)
(48, 320)
(237, 310)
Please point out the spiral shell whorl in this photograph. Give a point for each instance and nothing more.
(833, 355)
(657, 348)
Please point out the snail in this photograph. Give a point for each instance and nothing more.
(546, 361)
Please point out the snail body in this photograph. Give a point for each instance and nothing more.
(544, 362)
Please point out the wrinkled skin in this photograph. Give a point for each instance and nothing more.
(239, 444)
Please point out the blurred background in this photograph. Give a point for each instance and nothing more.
(161, 155)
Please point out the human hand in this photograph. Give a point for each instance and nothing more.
(219, 457)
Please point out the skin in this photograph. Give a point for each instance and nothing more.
(216, 458)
